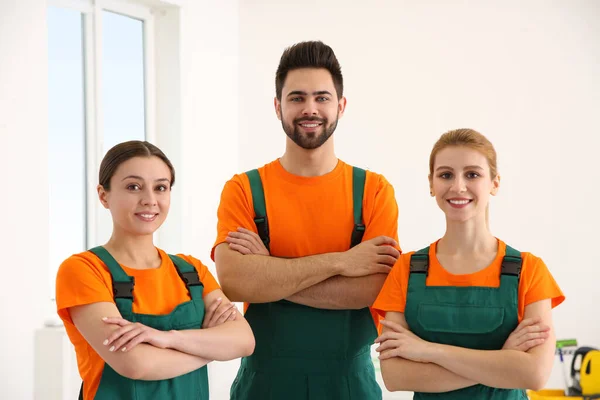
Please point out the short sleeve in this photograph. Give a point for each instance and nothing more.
(392, 296)
(235, 210)
(80, 282)
(381, 208)
(207, 279)
(538, 283)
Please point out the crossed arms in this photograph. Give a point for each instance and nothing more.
(412, 364)
(342, 280)
(136, 351)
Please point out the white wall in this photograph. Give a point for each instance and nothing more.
(523, 73)
(24, 202)
(210, 135)
(205, 157)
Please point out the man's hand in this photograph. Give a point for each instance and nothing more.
(373, 256)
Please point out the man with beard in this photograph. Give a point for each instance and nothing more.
(306, 242)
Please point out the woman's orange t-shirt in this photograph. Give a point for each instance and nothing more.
(536, 282)
(84, 279)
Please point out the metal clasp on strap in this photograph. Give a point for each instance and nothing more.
(191, 278)
(262, 226)
(511, 267)
(357, 234)
(123, 290)
(419, 262)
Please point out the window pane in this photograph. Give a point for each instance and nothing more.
(66, 141)
(122, 79)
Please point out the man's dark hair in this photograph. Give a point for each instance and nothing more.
(314, 54)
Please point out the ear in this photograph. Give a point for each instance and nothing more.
(277, 105)
(495, 185)
(341, 107)
(431, 192)
(102, 195)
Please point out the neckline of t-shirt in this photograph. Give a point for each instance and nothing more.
(147, 271)
(308, 180)
(466, 277)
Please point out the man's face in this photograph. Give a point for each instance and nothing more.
(309, 108)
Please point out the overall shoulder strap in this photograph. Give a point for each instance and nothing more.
(512, 262)
(189, 275)
(260, 209)
(359, 177)
(121, 282)
(419, 261)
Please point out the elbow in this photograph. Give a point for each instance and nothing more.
(538, 379)
(392, 383)
(245, 345)
(539, 372)
(388, 384)
(136, 365)
(242, 344)
(130, 369)
(239, 291)
(248, 345)
(229, 284)
(229, 288)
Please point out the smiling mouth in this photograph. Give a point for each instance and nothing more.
(310, 125)
(146, 216)
(459, 202)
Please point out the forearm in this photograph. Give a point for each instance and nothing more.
(401, 374)
(341, 292)
(261, 279)
(227, 341)
(148, 363)
(505, 369)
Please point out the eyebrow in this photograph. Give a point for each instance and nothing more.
(303, 93)
(141, 179)
(452, 169)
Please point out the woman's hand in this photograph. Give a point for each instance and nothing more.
(246, 242)
(530, 333)
(398, 341)
(218, 313)
(130, 334)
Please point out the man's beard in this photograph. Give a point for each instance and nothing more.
(313, 140)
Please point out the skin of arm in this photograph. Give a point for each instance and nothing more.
(402, 374)
(260, 279)
(232, 339)
(336, 292)
(144, 362)
(254, 276)
(248, 273)
(133, 349)
(508, 369)
(341, 292)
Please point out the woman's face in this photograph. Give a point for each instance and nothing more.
(461, 183)
(139, 196)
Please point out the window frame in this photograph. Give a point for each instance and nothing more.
(160, 16)
(92, 59)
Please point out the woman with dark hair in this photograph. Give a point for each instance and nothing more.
(144, 323)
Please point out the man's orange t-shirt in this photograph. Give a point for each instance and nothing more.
(536, 282)
(309, 215)
(84, 279)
